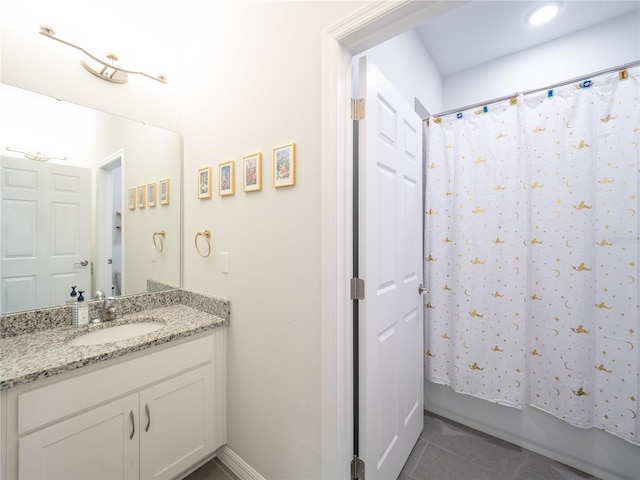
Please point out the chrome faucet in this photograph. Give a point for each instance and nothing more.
(108, 310)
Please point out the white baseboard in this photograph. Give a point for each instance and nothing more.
(237, 465)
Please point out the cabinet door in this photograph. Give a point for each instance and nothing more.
(176, 424)
(102, 443)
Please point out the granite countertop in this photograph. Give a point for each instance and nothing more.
(31, 356)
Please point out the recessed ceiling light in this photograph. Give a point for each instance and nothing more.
(543, 14)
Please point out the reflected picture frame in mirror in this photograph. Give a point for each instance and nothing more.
(151, 194)
(141, 196)
(165, 191)
(132, 199)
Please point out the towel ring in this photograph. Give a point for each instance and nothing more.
(158, 236)
(206, 234)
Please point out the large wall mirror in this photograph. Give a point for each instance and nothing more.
(90, 200)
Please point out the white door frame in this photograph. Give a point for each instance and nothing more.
(376, 23)
(105, 220)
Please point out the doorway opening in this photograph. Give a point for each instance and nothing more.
(109, 218)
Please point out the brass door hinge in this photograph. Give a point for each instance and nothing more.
(357, 109)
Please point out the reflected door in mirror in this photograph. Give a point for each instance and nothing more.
(46, 233)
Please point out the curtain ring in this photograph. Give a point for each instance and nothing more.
(205, 234)
(158, 236)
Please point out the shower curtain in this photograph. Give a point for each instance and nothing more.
(532, 252)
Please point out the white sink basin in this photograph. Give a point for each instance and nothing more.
(116, 333)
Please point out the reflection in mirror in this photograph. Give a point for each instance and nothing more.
(85, 196)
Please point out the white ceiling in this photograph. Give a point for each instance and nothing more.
(483, 30)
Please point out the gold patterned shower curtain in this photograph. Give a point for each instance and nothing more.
(532, 247)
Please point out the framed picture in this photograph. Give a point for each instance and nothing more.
(226, 178)
(151, 194)
(141, 196)
(284, 165)
(165, 193)
(132, 198)
(252, 172)
(204, 182)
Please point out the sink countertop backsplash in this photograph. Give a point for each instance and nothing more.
(12, 324)
(34, 344)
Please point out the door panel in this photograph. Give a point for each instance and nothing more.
(177, 424)
(390, 147)
(65, 223)
(98, 444)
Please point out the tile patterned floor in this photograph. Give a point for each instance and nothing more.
(212, 470)
(447, 450)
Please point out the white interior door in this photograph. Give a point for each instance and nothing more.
(390, 223)
(46, 233)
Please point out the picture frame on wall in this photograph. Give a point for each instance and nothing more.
(141, 196)
(226, 178)
(204, 182)
(252, 172)
(164, 191)
(132, 198)
(284, 166)
(151, 194)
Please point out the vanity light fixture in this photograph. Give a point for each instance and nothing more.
(106, 70)
(37, 156)
(543, 14)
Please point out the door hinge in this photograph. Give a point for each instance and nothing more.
(357, 469)
(357, 109)
(357, 289)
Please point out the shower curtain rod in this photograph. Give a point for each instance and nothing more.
(535, 90)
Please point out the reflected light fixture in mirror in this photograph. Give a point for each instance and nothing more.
(35, 156)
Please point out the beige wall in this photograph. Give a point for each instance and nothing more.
(263, 92)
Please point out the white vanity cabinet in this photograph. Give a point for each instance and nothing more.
(152, 416)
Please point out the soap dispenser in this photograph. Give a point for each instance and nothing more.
(83, 310)
(74, 314)
(72, 297)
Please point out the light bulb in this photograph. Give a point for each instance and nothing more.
(543, 14)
